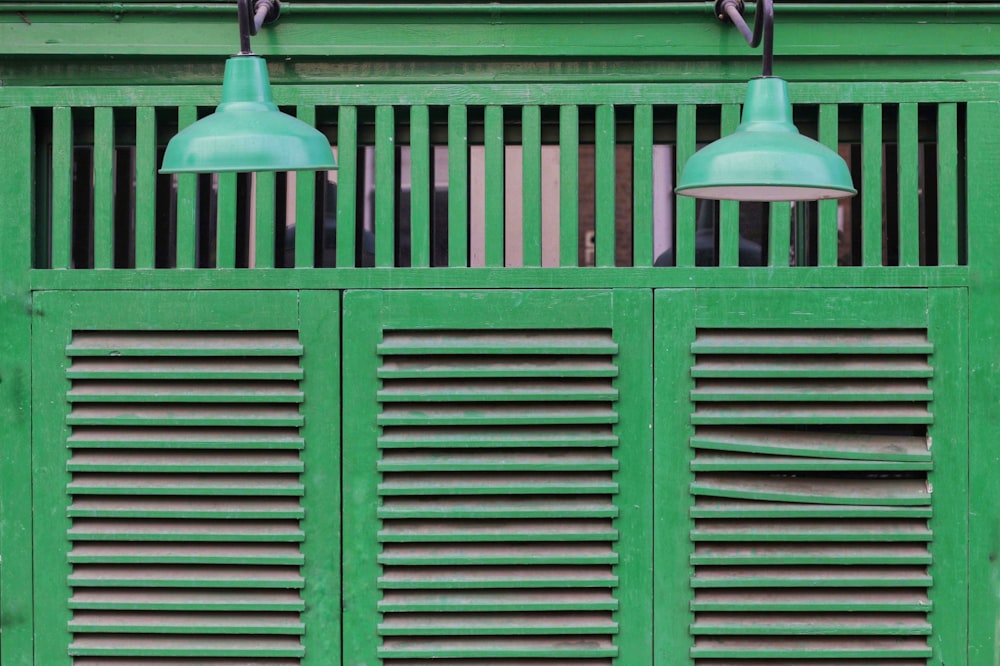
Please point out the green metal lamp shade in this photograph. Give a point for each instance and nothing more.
(247, 132)
(766, 159)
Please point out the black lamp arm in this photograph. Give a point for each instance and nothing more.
(264, 11)
(763, 26)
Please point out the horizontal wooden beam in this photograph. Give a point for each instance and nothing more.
(668, 30)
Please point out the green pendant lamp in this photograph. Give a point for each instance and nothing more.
(765, 159)
(247, 132)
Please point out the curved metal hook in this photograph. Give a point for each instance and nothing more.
(264, 11)
(763, 26)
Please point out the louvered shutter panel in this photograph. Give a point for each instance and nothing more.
(811, 491)
(185, 494)
(496, 472)
(181, 439)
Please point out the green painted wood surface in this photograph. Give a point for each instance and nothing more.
(984, 391)
(531, 187)
(494, 187)
(226, 221)
(186, 191)
(319, 328)
(642, 187)
(104, 208)
(305, 203)
(604, 186)
(909, 205)
(828, 231)
(528, 278)
(504, 93)
(949, 331)
(385, 176)
(421, 186)
(948, 241)
(729, 211)
(458, 185)
(360, 524)
(145, 187)
(93, 487)
(347, 186)
(264, 219)
(779, 237)
(16, 314)
(680, 44)
(684, 224)
(764, 543)
(872, 220)
(62, 187)
(672, 550)
(877, 237)
(522, 29)
(471, 324)
(569, 184)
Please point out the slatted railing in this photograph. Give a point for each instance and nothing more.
(499, 176)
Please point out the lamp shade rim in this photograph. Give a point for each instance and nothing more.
(765, 192)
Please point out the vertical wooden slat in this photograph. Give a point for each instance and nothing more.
(642, 187)
(685, 206)
(362, 311)
(305, 209)
(458, 185)
(265, 212)
(982, 151)
(779, 233)
(320, 335)
(421, 185)
(145, 187)
(828, 237)
(225, 221)
(17, 342)
(800, 248)
(947, 180)
(729, 211)
(187, 190)
(871, 194)
(347, 186)
(385, 186)
(531, 188)
(494, 195)
(948, 331)
(62, 187)
(672, 430)
(633, 325)
(604, 184)
(909, 184)
(569, 185)
(104, 187)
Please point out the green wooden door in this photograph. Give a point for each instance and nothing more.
(497, 477)
(185, 443)
(588, 477)
(822, 438)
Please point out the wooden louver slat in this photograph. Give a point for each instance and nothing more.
(185, 497)
(811, 497)
(497, 497)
